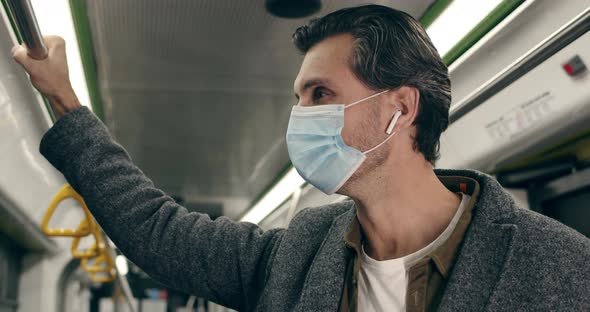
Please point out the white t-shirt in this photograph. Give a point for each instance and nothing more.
(382, 284)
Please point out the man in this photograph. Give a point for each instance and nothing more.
(411, 238)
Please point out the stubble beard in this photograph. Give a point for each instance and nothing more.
(374, 160)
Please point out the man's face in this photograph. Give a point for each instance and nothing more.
(325, 77)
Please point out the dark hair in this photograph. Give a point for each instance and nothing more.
(392, 50)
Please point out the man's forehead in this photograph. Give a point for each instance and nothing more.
(327, 58)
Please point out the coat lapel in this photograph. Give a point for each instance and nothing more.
(485, 253)
(325, 279)
(478, 269)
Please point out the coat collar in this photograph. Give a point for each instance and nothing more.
(443, 256)
(477, 270)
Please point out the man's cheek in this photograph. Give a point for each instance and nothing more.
(350, 137)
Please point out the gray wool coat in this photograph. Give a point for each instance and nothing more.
(511, 259)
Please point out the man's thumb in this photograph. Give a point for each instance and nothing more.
(19, 54)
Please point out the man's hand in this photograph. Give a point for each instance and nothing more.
(50, 76)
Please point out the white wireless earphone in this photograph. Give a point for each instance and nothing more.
(393, 122)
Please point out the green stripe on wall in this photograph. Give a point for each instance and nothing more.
(433, 12)
(481, 29)
(12, 23)
(82, 27)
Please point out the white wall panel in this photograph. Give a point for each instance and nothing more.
(544, 105)
(534, 21)
(27, 181)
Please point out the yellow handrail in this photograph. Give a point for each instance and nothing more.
(104, 257)
(97, 267)
(96, 260)
(93, 250)
(96, 278)
(65, 192)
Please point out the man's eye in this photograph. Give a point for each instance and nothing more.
(318, 93)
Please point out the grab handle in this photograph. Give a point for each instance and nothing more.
(65, 192)
(104, 257)
(96, 278)
(94, 249)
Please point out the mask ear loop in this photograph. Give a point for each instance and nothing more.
(388, 131)
(362, 100)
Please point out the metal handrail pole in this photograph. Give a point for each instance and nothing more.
(26, 23)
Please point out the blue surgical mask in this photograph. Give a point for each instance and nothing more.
(317, 150)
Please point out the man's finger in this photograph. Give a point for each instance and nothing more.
(53, 41)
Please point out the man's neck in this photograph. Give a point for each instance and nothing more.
(404, 211)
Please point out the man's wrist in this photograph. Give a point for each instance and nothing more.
(69, 100)
(64, 102)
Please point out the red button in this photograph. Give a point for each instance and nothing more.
(568, 68)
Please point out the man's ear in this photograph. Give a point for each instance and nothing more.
(406, 99)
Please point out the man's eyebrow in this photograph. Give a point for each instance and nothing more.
(311, 83)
